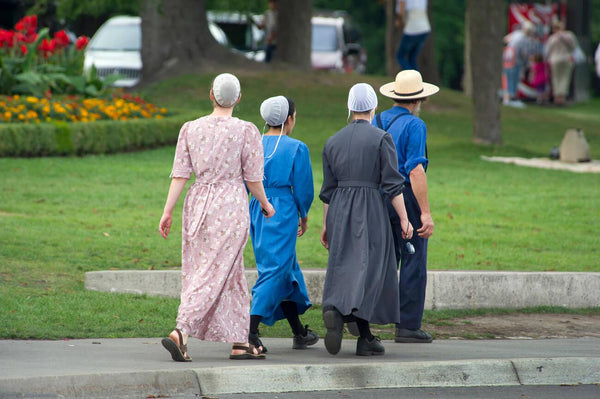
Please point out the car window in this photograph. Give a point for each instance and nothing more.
(118, 38)
(324, 38)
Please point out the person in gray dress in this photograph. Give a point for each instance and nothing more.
(361, 282)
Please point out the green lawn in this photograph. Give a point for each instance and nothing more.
(61, 217)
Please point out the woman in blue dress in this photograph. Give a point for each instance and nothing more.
(280, 291)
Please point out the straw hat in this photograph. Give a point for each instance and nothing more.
(408, 85)
(226, 89)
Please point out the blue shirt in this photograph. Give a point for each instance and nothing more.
(409, 134)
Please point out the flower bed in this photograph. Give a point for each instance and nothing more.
(49, 104)
(30, 109)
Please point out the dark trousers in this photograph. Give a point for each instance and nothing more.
(269, 52)
(413, 267)
(409, 49)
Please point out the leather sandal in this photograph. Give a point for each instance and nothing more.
(249, 353)
(178, 352)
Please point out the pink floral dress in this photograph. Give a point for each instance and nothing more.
(222, 152)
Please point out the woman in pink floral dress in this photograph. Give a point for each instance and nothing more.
(223, 152)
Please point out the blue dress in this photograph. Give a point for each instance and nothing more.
(289, 187)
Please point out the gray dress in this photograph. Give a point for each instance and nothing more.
(361, 276)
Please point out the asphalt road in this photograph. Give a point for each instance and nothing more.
(506, 392)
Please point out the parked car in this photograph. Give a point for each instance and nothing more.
(334, 41)
(116, 48)
(335, 45)
(244, 36)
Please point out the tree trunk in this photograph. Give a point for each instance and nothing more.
(427, 61)
(392, 38)
(486, 23)
(175, 39)
(294, 30)
(467, 79)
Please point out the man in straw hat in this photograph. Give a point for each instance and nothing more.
(410, 138)
(361, 279)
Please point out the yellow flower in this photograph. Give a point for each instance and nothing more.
(32, 100)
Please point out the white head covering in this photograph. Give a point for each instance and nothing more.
(362, 98)
(274, 110)
(226, 89)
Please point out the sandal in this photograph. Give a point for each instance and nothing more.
(248, 355)
(178, 352)
(254, 340)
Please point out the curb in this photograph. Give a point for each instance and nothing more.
(445, 289)
(299, 378)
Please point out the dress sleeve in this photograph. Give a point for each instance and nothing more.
(252, 154)
(415, 145)
(302, 180)
(329, 180)
(391, 179)
(182, 164)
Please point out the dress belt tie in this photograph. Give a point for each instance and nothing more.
(358, 183)
(278, 191)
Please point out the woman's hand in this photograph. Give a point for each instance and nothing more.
(268, 210)
(407, 229)
(302, 226)
(164, 226)
(324, 241)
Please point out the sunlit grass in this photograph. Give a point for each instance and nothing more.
(61, 217)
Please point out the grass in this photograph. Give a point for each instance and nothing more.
(62, 217)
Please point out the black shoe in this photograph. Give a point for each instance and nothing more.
(254, 340)
(335, 328)
(302, 341)
(404, 335)
(369, 348)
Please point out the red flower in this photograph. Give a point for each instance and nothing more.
(61, 39)
(47, 47)
(27, 23)
(23, 49)
(7, 38)
(81, 42)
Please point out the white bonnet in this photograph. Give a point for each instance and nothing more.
(226, 89)
(274, 110)
(362, 98)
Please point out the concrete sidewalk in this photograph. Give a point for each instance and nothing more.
(110, 368)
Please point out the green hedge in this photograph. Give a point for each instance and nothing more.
(102, 137)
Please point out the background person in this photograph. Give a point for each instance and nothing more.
(214, 292)
(519, 46)
(280, 291)
(269, 25)
(412, 15)
(559, 52)
(361, 280)
(597, 60)
(409, 134)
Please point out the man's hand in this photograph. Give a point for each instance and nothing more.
(426, 229)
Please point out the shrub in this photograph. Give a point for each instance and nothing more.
(80, 138)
